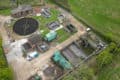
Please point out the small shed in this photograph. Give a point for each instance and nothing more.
(22, 10)
(50, 36)
(46, 12)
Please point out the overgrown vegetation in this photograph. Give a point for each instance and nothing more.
(109, 69)
(82, 73)
(108, 55)
(103, 67)
(62, 35)
(5, 70)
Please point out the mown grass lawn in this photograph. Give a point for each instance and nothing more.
(5, 12)
(44, 21)
(110, 74)
(62, 35)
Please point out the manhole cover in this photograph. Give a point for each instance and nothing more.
(25, 26)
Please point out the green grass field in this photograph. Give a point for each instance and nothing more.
(103, 16)
(62, 35)
(5, 12)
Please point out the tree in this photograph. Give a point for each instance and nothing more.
(6, 74)
(104, 58)
(69, 77)
(2, 63)
(117, 51)
(82, 73)
(112, 47)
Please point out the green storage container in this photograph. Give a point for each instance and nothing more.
(50, 36)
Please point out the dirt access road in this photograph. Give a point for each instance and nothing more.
(3, 32)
